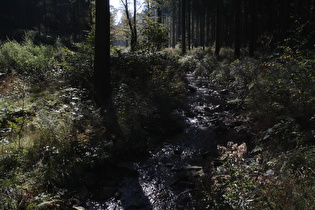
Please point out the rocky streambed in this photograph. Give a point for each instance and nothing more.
(167, 178)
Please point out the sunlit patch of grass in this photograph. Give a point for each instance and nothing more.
(49, 138)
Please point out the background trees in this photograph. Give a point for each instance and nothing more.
(132, 22)
(64, 18)
(244, 23)
(228, 23)
(54, 136)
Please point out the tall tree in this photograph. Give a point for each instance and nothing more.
(135, 31)
(102, 53)
(159, 11)
(132, 22)
(218, 29)
(183, 27)
(188, 24)
(252, 31)
(237, 29)
(202, 23)
(285, 4)
(174, 24)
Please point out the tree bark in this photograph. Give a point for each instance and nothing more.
(188, 25)
(159, 11)
(45, 17)
(202, 24)
(285, 17)
(132, 23)
(135, 33)
(183, 27)
(173, 27)
(237, 29)
(218, 29)
(253, 22)
(102, 53)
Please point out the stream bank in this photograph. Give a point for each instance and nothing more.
(167, 178)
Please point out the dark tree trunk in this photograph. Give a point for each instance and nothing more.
(207, 23)
(285, 17)
(237, 29)
(202, 24)
(22, 14)
(90, 12)
(253, 22)
(183, 27)
(197, 30)
(102, 53)
(179, 22)
(218, 29)
(45, 16)
(193, 14)
(188, 25)
(159, 11)
(174, 29)
(132, 23)
(213, 23)
(135, 38)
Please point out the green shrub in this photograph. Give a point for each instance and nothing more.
(146, 88)
(78, 65)
(282, 136)
(63, 138)
(265, 181)
(36, 62)
(156, 35)
(232, 185)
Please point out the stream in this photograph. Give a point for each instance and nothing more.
(166, 180)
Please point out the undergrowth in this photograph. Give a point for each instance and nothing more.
(49, 141)
(262, 181)
(53, 137)
(147, 87)
(276, 93)
(54, 144)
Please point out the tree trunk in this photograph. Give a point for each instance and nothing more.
(179, 21)
(237, 29)
(22, 14)
(132, 24)
(183, 27)
(173, 27)
(188, 25)
(218, 30)
(135, 33)
(285, 17)
(213, 23)
(193, 17)
(102, 53)
(253, 22)
(159, 11)
(45, 16)
(207, 24)
(202, 24)
(90, 12)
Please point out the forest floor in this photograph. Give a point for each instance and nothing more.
(167, 178)
(191, 132)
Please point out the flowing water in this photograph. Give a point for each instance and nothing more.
(166, 180)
